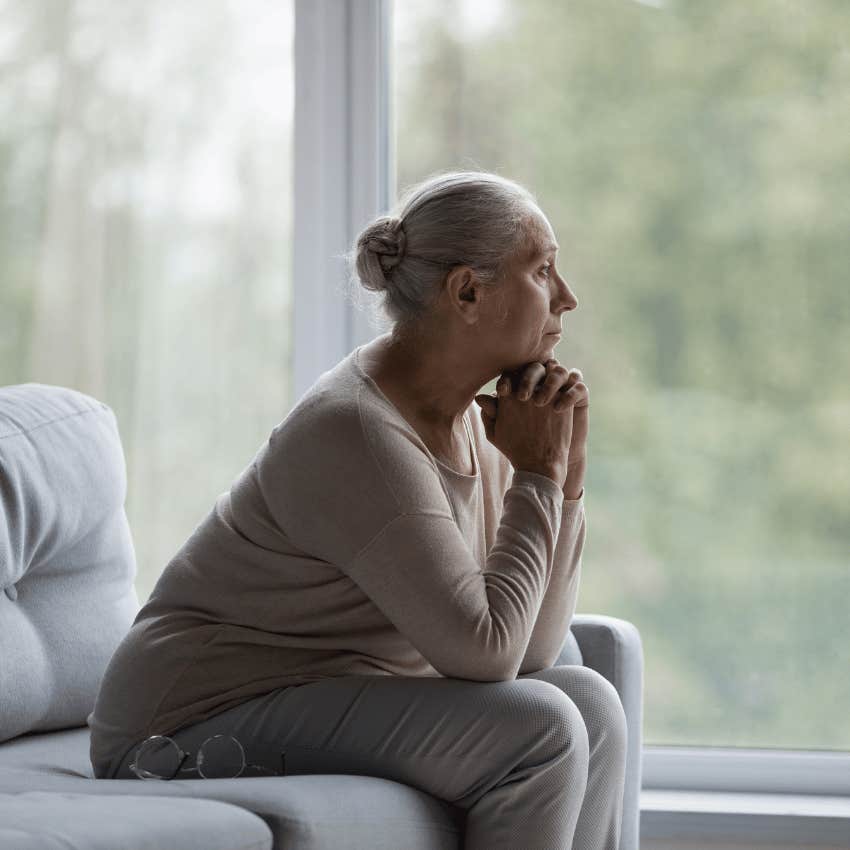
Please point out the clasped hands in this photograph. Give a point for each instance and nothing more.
(545, 383)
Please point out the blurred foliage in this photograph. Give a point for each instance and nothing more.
(144, 258)
(694, 161)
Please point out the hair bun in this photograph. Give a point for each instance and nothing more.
(387, 239)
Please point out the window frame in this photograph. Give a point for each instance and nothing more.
(343, 171)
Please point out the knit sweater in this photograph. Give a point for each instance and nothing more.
(345, 547)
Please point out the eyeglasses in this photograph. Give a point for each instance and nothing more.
(219, 757)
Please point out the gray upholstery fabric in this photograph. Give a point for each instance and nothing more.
(67, 568)
(342, 812)
(40, 821)
(66, 555)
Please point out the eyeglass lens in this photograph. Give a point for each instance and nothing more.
(157, 758)
(219, 757)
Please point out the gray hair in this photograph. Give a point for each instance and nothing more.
(453, 218)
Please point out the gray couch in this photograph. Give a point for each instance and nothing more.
(67, 596)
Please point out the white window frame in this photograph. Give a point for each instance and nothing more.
(344, 171)
(344, 176)
(747, 770)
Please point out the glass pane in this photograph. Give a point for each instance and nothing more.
(145, 194)
(694, 162)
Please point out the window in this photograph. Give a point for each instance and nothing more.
(694, 161)
(145, 196)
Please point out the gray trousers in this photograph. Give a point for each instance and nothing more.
(538, 762)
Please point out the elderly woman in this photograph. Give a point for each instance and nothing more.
(385, 587)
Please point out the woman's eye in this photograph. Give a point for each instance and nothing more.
(546, 268)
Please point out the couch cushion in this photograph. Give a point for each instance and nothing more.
(67, 566)
(37, 820)
(304, 812)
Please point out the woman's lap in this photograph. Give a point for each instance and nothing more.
(453, 738)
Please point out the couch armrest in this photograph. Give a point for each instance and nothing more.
(613, 647)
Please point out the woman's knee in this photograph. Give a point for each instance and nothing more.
(544, 712)
(598, 701)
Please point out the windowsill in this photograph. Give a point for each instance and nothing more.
(779, 818)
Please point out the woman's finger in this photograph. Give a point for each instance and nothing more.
(540, 381)
(556, 378)
(531, 376)
(522, 383)
(574, 377)
(574, 395)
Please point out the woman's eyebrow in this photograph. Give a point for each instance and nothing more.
(549, 249)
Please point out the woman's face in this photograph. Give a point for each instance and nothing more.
(527, 307)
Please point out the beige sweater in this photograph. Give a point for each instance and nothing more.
(346, 548)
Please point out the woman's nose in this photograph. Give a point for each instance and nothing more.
(568, 298)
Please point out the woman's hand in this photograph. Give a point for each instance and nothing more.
(546, 383)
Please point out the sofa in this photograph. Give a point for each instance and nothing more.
(67, 597)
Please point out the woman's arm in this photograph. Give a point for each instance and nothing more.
(574, 485)
(559, 603)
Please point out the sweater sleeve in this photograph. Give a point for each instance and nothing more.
(559, 603)
(351, 486)
(468, 623)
